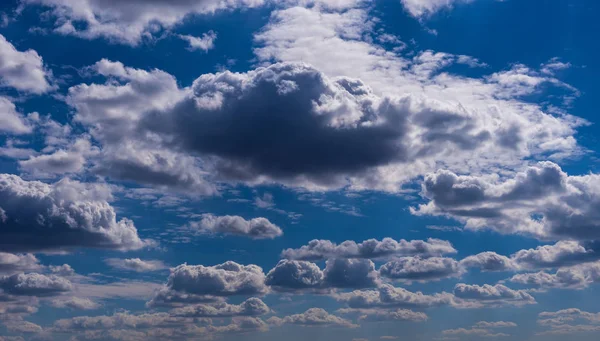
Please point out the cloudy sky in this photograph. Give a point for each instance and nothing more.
(328, 170)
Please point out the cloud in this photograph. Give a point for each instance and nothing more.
(542, 201)
(75, 303)
(256, 228)
(387, 296)
(23, 71)
(25, 327)
(374, 315)
(12, 263)
(372, 248)
(136, 264)
(418, 269)
(128, 23)
(11, 121)
(480, 332)
(204, 43)
(562, 322)
(64, 270)
(493, 294)
(61, 216)
(34, 284)
(495, 324)
(204, 282)
(563, 253)
(314, 317)
(292, 275)
(62, 161)
(423, 8)
(251, 307)
(575, 277)
(489, 261)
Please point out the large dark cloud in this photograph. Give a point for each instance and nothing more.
(64, 215)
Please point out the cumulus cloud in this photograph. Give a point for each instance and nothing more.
(493, 294)
(64, 270)
(292, 275)
(418, 269)
(204, 43)
(542, 201)
(77, 303)
(197, 283)
(256, 228)
(374, 315)
(495, 324)
(60, 162)
(421, 8)
(563, 253)
(23, 71)
(489, 261)
(568, 322)
(251, 307)
(11, 263)
(22, 327)
(480, 332)
(575, 277)
(61, 216)
(387, 296)
(34, 284)
(314, 317)
(136, 264)
(372, 248)
(12, 121)
(128, 23)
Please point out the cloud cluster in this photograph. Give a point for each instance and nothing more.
(255, 228)
(492, 294)
(61, 216)
(34, 284)
(313, 317)
(251, 307)
(418, 269)
(197, 283)
(23, 71)
(542, 201)
(371, 249)
(136, 264)
(128, 23)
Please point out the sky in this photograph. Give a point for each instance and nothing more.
(333, 170)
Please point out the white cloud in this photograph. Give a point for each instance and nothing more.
(136, 264)
(205, 42)
(256, 228)
(23, 71)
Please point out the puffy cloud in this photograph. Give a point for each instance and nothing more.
(63, 215)
(562, 322)
(136, 264)
(493, 294)
(418, 269)
(372, 248)
(23, 71)
(64, 270)
(489, 261)
(291, 275)
(22, 327)
(542, 201)
(480, 332)
(421, 8)
(34, 284)
(575, 277)
(75, 303)
(128, 23)
(256, 228)
(11, 121)
(495, 324)
(11, 263)
(63, 161)
(314, 317)
(194, 283)
(204, 43)
(563, 253)
(387, 296)
(251, 307)
(374, 315)
(350, 273)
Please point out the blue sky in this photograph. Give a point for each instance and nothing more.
(304, 169)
